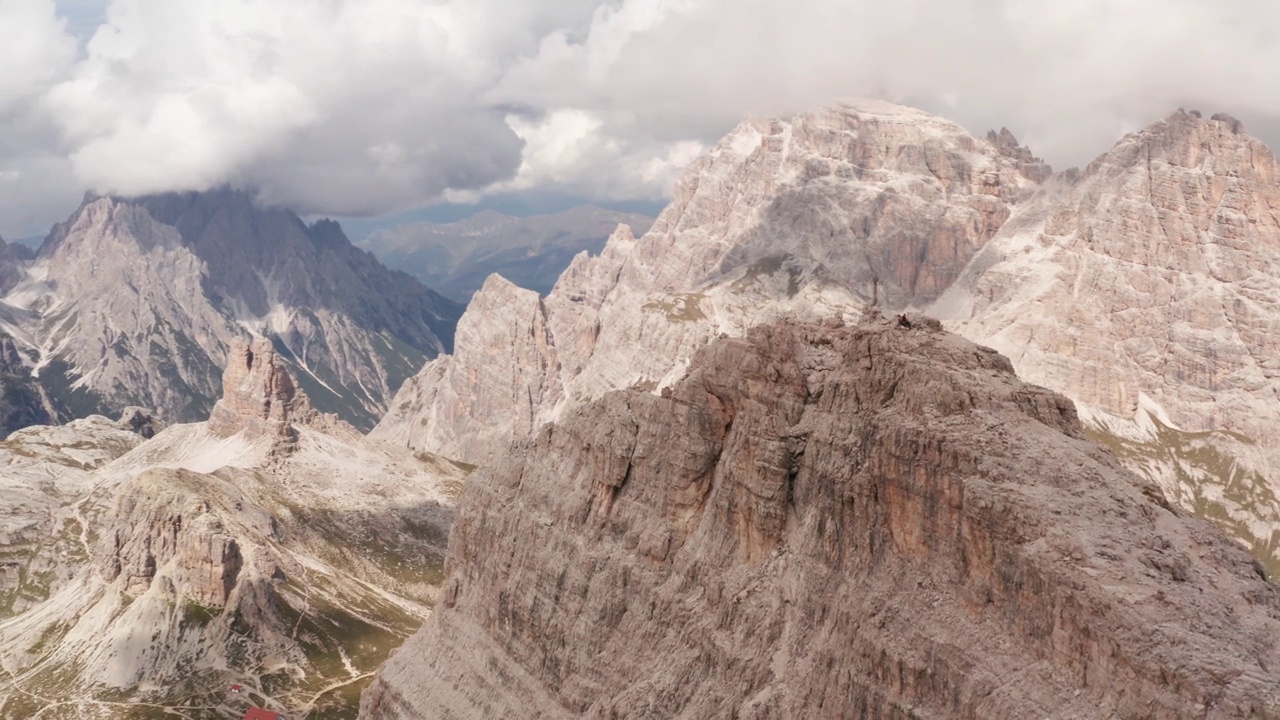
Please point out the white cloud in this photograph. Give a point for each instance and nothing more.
(299, 98)
(364, 106)
(35, 180)
(1068, 76)
(35, 50)
(573, 151)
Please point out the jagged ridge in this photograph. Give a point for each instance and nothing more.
(877, 522)
(135, 302)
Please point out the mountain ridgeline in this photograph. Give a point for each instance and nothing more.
(1142, 287)
(455, 258)
(818, 521)
(134, 302)
(879, 419)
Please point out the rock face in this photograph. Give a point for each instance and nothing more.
(135, 302)
(454, 259)
(819, 521)
(204, 560)
(1144, 288)
(499, 390)
(812, 216)
(21, 403)
(259, 396)
(1149, 291)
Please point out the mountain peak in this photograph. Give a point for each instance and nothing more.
(821, 494)
(1189, 140)
(259, 396)
(160, 286)
(1029, 165)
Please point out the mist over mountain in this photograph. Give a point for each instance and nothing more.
(454, 259)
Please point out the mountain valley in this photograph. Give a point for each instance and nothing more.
(271, 546)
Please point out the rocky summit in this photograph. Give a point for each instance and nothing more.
(1143, 288)
(877, 521)
(136, 302)
(259, 396)
(814, 216)
(1147, 287)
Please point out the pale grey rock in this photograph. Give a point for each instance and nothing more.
(502, 387)
(272, 546)
(259, 396)
(1149, 292)
(120, 304)
(1028, 164)
(160, 524)
(781, 218)
(1143, 287)
(135, 302)
(879, 521)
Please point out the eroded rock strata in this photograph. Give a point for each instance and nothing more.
(820, 521)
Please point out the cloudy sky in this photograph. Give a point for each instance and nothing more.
(369, 107)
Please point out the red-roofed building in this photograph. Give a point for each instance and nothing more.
(260, 714)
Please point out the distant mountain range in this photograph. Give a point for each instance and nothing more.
(455, 258)
(134, 302)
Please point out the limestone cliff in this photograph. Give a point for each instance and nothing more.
(819, 521)
(812, 216)
(259, 396)
(1148, 290)
(1144, 288)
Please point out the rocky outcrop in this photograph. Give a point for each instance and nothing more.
(272, 547)
(135, 302)
(1144, 287)
(1028, 164)
(141, 421)
(259, 396)
(501, 390)
(1148, 292)
(1155, 274)
(161, 529)
(811, 216)
(879, 522)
